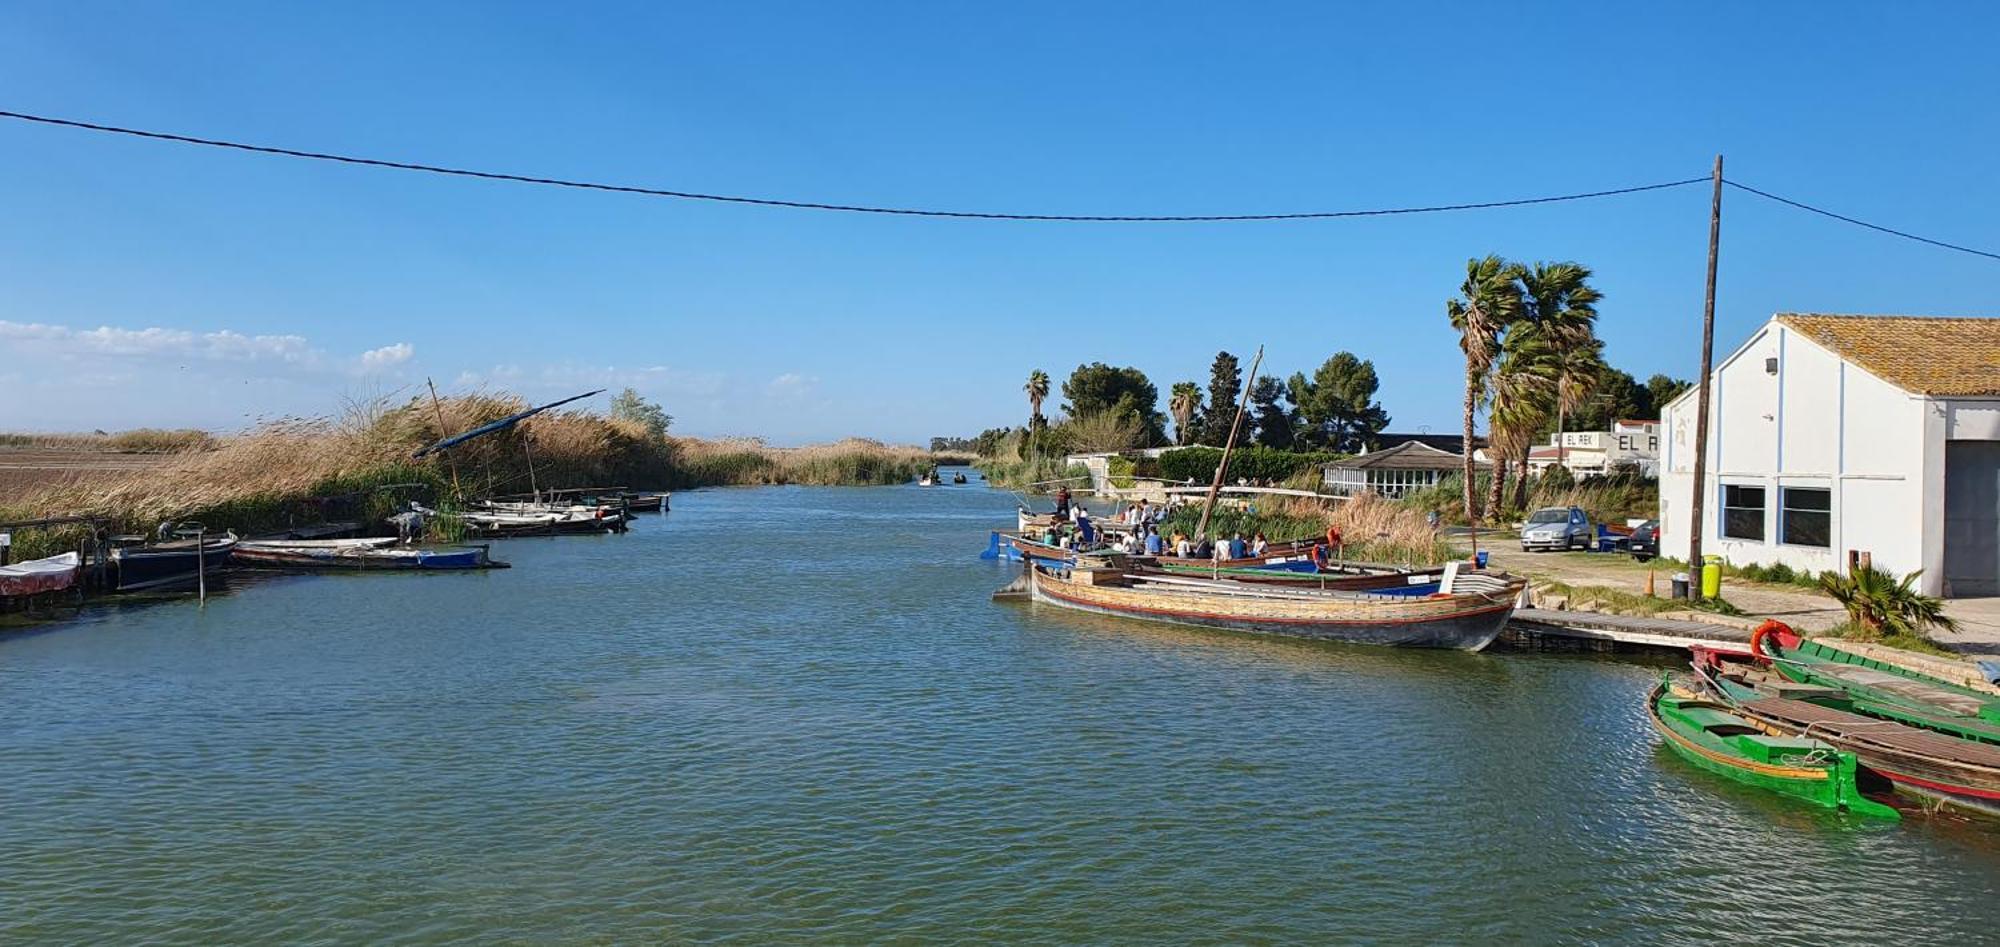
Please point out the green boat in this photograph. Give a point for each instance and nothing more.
(1706, 733)
(1847, 681)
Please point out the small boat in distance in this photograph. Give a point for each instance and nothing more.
(1709, 735)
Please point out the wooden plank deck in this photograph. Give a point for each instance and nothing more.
(1532, 627)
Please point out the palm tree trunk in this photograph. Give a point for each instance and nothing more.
(1521, 482)
(1561, 455)
(1471, 402)
(1499, 483)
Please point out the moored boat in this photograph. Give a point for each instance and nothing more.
(1711, 736)
(39, 576)
(501, 524)
(1939, 770)
(1466, 614)
(360, 554)
(172, 562)
(1877, 688)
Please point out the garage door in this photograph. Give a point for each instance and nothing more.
(1971, 518)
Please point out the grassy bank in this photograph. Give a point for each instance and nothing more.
(358, 467)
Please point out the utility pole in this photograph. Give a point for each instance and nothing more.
(1695, 504)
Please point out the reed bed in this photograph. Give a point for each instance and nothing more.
(358, 466)
(1372, 529)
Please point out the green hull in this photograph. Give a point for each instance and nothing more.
(1708, 735)
(1879, 689)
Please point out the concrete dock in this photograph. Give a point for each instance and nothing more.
(1544, 629)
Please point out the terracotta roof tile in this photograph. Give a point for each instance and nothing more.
(1920, 354)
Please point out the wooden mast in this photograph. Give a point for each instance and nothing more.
(458, 493)
(1215, 487)
(1697, 505)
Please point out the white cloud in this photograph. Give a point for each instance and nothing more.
(221, 346)
(375, 360)
(792, 386)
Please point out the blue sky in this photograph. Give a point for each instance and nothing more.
(158, 284)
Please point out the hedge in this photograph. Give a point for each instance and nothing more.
(1250, 463)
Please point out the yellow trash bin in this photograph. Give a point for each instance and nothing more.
(1711, 577)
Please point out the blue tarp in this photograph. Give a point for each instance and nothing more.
(500, 425)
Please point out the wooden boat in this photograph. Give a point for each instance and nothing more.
(958, 478)
(1877, 688)
(38, 576)
(1467, 614)
(359, 554)
(503, 524)
(171, 562)
(1711, 736)
(1938, 770)
(1420, 581)
(646, 502)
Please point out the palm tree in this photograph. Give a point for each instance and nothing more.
(1185, 402)
(1488, 301)
(1560, 300)
(1523, 390)
(1038, 390)
(1879, 604)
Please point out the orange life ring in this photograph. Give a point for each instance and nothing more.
(1769, 627)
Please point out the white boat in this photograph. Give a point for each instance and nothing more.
(35, 576)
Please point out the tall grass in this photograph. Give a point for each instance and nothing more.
(298, 471)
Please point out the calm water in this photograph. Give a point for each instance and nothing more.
(793, 714)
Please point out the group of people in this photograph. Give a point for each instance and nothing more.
(1141, 534)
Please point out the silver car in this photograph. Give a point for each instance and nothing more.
(1557, 527)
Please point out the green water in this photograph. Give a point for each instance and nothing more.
(791, 714)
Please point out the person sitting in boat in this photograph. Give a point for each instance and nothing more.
(1182, 549)
(1258, 544)
(1153, 544)
(1062, 502)
(1237, 549)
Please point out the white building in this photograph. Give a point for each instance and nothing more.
(1629, 444)
(1838, 435)
(1395, 471)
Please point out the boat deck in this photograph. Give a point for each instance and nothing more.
(1937, 696)
(1533, 627)
(1884, 733)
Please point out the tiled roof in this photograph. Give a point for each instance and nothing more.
(1409, 455)
(1919, 354)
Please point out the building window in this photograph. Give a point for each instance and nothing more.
(1807, 518)
(1743, 512)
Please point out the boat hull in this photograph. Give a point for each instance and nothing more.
(1828, 782)
(1411, 623)
(150, 567)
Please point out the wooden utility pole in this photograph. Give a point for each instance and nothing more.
(1700, 493)
(1242, 403)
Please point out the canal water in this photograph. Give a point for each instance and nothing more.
(793, 714)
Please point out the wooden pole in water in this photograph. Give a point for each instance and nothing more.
(437, 406)
(1215, 487)
(1695, 504)
(201, 565)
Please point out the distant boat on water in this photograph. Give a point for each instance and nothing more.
(360, 554)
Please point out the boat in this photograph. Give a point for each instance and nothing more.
(648, 502)
(1940, 771)
(1878, 688)
(359, 554)
(1302, 555)
(1708, 734)
(1345, 577)
(929, 479)
(1467, 611)
(139, 565)
(616, 498)
(37, 576)
(500, 524)
(958, 478)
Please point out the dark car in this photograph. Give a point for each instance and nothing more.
(1645, 541)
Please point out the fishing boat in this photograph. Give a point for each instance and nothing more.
(1938, 770)
(958, 478)
(137, 564)
(1467, 611)
(1708, 734)
(499, 524)
(648, 502)
(360, 554)
(1343, 577)
(39, 576)
(1878, 688)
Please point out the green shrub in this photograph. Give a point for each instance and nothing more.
(1255, 462)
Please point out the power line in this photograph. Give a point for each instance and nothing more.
(813, 205)
(1859, 223)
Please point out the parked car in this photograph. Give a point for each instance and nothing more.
(1557, 527)
(1645, 541)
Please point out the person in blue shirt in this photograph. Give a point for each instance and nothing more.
(1153, 545)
